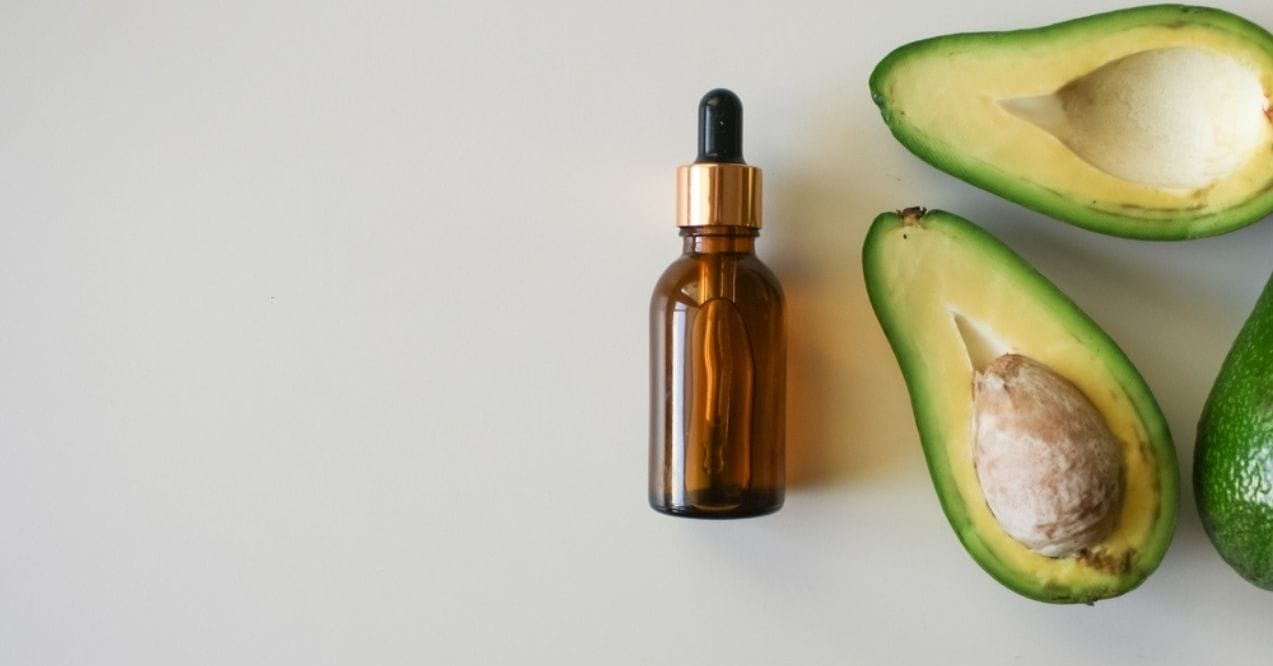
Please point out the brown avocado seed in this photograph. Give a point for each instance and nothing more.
(1050, 469)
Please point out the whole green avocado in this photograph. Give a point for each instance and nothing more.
(1233, 461)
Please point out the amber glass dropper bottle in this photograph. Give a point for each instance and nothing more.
(717, 340)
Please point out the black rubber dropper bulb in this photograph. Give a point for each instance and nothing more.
(720, 128)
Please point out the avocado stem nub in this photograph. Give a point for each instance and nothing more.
(911, 215)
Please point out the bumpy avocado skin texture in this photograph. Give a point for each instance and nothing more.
(1001, 263)
(1233, 461)
(1168, 223)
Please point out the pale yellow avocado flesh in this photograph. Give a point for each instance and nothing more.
(992, 131)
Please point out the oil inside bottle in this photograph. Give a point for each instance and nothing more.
(717, 380)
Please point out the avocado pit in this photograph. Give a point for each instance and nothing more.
(1050, 468)
(1177, 118)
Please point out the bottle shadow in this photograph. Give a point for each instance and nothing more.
(844, 403)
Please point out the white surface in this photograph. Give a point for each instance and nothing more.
(324, 341)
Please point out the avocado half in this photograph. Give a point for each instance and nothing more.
(949, 295)
(1153, 122)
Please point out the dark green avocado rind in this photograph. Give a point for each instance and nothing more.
(1233, 460)
(1127, 222)
(907, 348)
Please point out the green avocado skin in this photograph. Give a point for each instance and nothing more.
(1233, 461)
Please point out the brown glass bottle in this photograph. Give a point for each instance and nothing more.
(717, 342)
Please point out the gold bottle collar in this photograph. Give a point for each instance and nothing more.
(718, 193)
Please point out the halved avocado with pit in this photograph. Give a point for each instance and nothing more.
(1153, 122)
(949, 296)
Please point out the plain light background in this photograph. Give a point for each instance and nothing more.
(323, 341)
